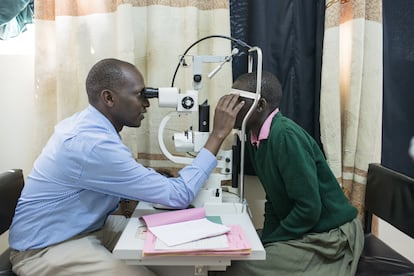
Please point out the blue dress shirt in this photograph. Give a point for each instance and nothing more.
(80, 176)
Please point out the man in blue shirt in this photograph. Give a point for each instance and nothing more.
(62, 224)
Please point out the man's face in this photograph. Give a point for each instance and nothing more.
(130, 104)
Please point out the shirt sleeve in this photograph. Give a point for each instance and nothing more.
(110, 168)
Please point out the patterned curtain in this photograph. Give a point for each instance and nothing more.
(72, 35)
(351, 92)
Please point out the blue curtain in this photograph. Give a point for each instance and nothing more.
(14, 15)
(290, 34)
(398, 111)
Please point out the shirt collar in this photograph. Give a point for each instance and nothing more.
(108, 125)
(264, 130)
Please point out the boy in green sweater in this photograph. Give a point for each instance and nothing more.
(309, 228)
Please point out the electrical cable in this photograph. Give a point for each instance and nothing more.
(237, 41)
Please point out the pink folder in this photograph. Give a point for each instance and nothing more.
(174, 216)
(238, 245)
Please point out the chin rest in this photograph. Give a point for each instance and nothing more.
(390, 196)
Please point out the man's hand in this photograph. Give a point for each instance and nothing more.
(224, 118)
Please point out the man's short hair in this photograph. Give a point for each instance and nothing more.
(105, 74)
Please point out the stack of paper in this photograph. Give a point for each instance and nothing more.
(189, 232)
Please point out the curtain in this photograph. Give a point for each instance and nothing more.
(398, 126)
(72, 35)
(290, 34)
(351, 92)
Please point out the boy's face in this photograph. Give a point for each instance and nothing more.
(241, 86)
(243, 111)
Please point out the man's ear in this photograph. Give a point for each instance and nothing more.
(261, 105)
(107, 97)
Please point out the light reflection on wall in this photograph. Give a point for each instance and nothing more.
(22, 44)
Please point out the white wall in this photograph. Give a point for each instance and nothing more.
(16, 95)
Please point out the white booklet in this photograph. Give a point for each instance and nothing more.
(216, 242)
(183, 226)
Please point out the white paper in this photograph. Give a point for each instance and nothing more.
(216, 242)
(188, 231)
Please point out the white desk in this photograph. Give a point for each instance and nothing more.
(131, 242)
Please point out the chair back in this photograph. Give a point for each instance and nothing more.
(390, 196)
(11, 185)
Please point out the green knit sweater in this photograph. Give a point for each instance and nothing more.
(302, 194)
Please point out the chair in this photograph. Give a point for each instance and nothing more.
(11, 185)
(390, 196)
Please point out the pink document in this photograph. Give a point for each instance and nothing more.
(174, 216)
(184, 226)
(237, 244)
